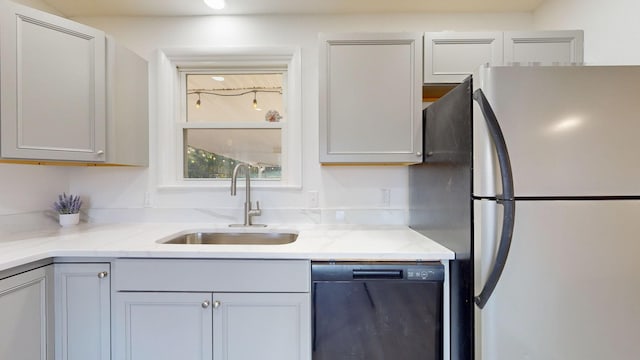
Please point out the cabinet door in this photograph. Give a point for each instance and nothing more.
(543, 47)
(127, 106)
(267, 326)
(52, 87)
(24, 324)
(449, 57)
(371, 98)
(82, 311)
(162, 326)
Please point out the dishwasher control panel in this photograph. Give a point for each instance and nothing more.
(349, 271)
(423, 274)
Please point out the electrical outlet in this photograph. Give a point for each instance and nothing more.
(147, 199)
(312, 199)
(386, 197)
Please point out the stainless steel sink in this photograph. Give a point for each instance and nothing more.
(233, 238)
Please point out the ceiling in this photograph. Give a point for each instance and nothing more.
(78, 8)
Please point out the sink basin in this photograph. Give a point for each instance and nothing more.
(233, 238)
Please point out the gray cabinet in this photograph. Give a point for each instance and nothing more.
(370, 98)
(543, 47)
(25, 313)
(219, 326)
(68, 92)
(449, 57)
(261, 326)
(127, 106)
(211, 309)
(52, 87)
(82, 311)
(163, 326)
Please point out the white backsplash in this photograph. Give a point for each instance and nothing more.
(234, 216)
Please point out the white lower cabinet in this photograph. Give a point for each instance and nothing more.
(261, 326)
(25, 316)
(82, 311)
(204, 326)
(211, 309)
(163, 326)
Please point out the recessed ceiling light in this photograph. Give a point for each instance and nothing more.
(218, 78)
(215, 4)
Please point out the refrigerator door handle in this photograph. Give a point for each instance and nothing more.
(506, 199)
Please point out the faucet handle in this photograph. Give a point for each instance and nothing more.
(256, 211)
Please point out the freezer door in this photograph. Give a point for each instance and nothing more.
(570, 131)
(570, 287)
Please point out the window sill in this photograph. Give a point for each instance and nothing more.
(227, 186)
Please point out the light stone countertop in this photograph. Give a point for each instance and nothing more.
(315, 242)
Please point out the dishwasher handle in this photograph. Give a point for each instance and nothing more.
(362, 274)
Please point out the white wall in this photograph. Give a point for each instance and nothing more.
(357, 190)
(28, 188)
(38, 4)
(611, 33)
(610, 38)
(27, 195)
(351, 188)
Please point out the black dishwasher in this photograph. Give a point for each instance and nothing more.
(377, 310)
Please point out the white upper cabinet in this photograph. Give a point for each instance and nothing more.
(127, 106)
(543, 47)
(370, 98)
(69, 93)
(449, 57)
(52, 76)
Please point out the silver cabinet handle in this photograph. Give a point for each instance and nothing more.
(216, 304)
(205, 304)
(103, 274)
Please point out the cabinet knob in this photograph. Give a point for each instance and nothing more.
(100, 152)
(205, 304)
(103, 274)
(418, 153)
(216, 304)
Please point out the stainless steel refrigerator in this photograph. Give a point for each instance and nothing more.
(532, 176)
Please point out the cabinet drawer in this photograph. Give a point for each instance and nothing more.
(211, 275)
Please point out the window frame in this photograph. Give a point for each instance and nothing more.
(184, 124)
(171, 67)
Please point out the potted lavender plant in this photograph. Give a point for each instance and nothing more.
(68, 208)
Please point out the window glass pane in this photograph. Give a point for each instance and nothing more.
(213, 153)
(234, 97)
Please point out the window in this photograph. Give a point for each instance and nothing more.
(230, 118)
(221, 107)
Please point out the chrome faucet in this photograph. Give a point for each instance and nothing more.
(248, 211)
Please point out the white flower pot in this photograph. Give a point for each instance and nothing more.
(69, 219)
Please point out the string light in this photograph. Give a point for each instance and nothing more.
(242, 91)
